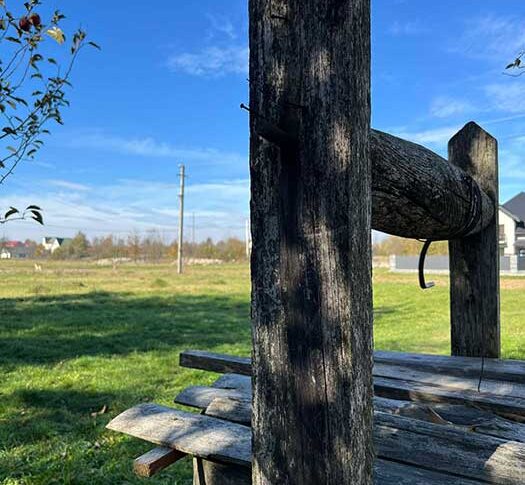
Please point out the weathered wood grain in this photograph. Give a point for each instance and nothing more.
(504, 388)
(414, 391)
(512, 371)
(449, 450)
(474, 260)
(385, 473)
(234, 404)
(156, 460)
(190, 433)
(207, 472)
(418, 194)
(495, 369)
(311, 254)
(463, 417)
(234, 409)
(213, 362)
(234, 381)
(410, 441)
(202, 396)
(392, 473)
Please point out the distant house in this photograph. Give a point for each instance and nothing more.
(512, 226)
(51, 244)
(16, 250)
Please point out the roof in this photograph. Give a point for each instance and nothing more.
(59, 240)
(516, 206)
(12, 244)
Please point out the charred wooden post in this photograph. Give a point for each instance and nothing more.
(311, 259)
(418, 194)
(474, 260)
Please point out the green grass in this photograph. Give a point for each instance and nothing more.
(78, 337)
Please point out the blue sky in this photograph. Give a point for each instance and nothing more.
(166, 89)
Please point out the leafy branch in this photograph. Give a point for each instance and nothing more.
(31, 212)
(517, 66)
(32, 86)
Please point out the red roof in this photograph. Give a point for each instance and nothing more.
(12, 244)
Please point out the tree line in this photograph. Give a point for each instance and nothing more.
(150, 248)
(407, 247)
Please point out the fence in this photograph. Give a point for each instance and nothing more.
(511, 265)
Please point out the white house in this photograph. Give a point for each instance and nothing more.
(512, 226)
(51, 244)
(16, 250)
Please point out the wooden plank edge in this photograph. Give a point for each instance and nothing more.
(156, 460)
(495, 369)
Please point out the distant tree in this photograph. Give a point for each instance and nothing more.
(103, 248)
(134, 246)
(33, 85)
(79, 246)
(404, 247)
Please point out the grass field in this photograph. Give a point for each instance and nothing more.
(78, 337)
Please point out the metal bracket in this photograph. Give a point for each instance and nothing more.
(423, 285)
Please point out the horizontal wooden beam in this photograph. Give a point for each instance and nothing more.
(234, 404)
(439, 448)
(156, 460)
(495, 369)
(414, 391)
(418, 194)
(210, 361)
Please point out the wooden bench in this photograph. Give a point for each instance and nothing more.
(431, 424)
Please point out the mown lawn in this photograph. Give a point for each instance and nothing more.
(77, 337)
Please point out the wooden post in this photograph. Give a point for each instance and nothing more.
(311, 229)
(474, 260)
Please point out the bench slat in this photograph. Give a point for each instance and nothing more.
(156, 460)
(410, 441)
(495, 369)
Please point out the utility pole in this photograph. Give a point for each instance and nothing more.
(247, 238)
(181, 219)
(193, 228)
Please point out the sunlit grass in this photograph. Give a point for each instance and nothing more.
(78, 337)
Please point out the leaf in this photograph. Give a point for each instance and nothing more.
(11, 212)
(56, 34)
(33, 207)
(96, 46)
(37, 217)
(12, 149)
(510, 66)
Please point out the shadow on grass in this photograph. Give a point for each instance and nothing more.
(50, 329)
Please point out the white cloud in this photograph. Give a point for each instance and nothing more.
(407, 28)
(222, 25)
(125, 206)
(149, 147)
(444, 107)
(436, 136)
(212, 61)
(65, 184)
(492, 37)
(507, 96)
